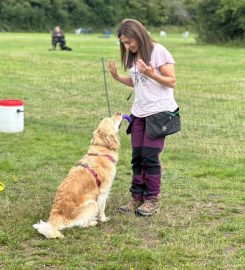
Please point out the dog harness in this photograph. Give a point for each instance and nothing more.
(85, 165)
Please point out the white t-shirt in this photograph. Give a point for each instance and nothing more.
(150, 96)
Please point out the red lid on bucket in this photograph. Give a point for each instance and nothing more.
(11, 102)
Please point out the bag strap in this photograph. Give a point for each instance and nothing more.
(129, 95)
(175, 113)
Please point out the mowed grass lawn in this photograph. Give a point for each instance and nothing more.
(201, 223)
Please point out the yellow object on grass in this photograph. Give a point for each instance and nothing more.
(2, 186)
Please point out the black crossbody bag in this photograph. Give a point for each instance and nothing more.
(162, 124)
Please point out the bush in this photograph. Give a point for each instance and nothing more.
(221, 21)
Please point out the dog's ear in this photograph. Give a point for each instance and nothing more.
(96, 138)
(113, 142)
(104, 138)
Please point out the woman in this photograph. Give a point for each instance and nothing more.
(152, 75)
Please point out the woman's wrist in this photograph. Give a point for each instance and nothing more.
(116, 77)
(155, 76)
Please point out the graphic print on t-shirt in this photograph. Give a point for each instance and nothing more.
(139, 78)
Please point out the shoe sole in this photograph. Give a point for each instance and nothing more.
(124, 212)
(138, 213)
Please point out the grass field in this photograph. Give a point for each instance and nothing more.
(201, 224)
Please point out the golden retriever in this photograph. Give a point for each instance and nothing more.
(81, 198)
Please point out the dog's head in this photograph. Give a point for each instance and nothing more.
(106, 133)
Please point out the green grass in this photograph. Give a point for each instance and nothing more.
(201, 223)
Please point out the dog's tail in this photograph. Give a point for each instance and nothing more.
(46, 229)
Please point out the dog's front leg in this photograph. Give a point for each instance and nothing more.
(101, 201)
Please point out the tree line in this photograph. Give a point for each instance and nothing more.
(214, 20)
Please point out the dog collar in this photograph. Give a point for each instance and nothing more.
(107, 156)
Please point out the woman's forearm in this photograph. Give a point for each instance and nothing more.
(165, 80)
(125, 80)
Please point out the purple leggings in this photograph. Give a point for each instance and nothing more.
(146, 165)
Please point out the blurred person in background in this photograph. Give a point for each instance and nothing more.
(58, 37)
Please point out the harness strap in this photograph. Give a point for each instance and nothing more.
(85, 165)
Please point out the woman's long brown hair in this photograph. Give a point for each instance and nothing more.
(133, 29)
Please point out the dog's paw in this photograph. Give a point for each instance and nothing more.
(104, 219)
(92, 223)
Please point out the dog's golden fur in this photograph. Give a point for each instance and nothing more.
(79, 200)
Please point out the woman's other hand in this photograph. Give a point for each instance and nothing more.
(166, 76)
(143, 68)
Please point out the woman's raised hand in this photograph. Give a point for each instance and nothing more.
(113, 69)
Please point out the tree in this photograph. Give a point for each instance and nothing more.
(221, 20)
(178, 14)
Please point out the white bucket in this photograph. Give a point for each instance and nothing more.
(11, 115)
